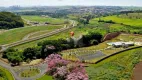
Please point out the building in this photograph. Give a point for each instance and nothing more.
(121, 44)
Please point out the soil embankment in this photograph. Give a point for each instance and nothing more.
(110, 36)
(137, 72)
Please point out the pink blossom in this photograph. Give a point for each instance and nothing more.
(64, 70)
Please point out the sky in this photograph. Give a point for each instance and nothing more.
(23, 3)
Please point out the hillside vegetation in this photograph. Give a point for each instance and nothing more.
(9, 20)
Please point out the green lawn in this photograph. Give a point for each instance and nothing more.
(43, 19)
(17, 34)
(8, 75)
(45, 77)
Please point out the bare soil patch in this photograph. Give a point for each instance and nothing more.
(137, 72)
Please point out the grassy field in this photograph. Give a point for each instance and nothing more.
(124, 20)
(118, 67)
(38, 33)
(17, 34)
(8, 75)
(45, 77)
(130, 23)
(43, 19)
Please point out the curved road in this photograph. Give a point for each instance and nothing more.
(8, 67)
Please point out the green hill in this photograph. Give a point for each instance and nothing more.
(9, 20)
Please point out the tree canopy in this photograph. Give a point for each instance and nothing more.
(9, 20)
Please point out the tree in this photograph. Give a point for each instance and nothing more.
(15, 57)
(9, 20)
(29, 53)
(7, 51)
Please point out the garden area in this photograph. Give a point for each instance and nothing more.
(29, 72)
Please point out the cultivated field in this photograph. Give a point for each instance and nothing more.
(125, 19)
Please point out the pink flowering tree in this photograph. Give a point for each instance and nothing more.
(54, 62)
(77, 72)
(64, 70)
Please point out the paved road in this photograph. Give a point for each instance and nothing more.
(17, 70)
(8, 67)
